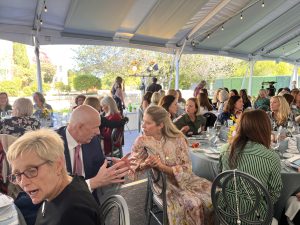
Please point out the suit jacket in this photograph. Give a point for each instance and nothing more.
(92, 155)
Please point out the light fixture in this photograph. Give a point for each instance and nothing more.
(241, 15)
(222, 28)
(208, 36)
(263, 3)
(193, 43)
(41, 21)
(45, 8)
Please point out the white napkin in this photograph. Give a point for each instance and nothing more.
(292, 206)
(292, 145)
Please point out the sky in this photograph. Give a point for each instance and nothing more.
(60, 54)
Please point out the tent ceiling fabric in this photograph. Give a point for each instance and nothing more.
(269, 32)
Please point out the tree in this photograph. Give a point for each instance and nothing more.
(20, 55)
(86, 82)
(12, 88)
(48, 71)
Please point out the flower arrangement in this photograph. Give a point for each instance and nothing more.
(232, 128)
(45, 113)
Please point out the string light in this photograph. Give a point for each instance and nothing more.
(241, 15)
(208, 36)
(45, 8)
(222, 28)
(263, 4)
(41, 21)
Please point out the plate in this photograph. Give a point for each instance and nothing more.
(213, 155)
(287, 155)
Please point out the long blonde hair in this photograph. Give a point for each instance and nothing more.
(159, 115)
(284, 110)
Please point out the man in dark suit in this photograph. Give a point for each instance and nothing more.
(154, 86)
(83, 131)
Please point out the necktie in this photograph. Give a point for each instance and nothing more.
(77, 169)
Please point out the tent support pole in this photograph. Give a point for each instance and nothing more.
(177, 63)
(252, 62)
(294, 77)
(38, 64)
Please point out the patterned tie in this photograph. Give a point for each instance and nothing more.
(77, 161)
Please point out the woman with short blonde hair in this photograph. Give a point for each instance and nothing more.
(38, 166)
(21, 120)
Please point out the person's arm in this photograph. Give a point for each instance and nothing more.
(113, 124)
(275, 182)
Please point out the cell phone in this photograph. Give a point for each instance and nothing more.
(109, 161)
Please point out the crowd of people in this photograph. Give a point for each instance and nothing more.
(42, 160)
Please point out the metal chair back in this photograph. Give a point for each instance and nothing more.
(118, 203)
(239, 198)
(157, 198)
(117, 135)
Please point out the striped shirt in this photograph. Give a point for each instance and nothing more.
(260, 162)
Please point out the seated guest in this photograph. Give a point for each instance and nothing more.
(155, 98)
(180, 108)
(215, 100)
(246, 100)
(38, 167)
(280, 112)
(169, 103)
(204, 91)
(21, 120)
(79, 100)
(188, 196)
(94, 102)
(223, 98)
(42, 109)
(234, 108)
(262, 101)
(192, 122)
(205, 106)
(112, 113)
(289, 98)
(233, 92)
(4, 105)
(249, 151)
(146, 100)
(181, 100)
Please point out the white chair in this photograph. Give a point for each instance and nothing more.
(115, 202)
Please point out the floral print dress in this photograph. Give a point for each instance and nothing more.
(188, 196)
(17, 126)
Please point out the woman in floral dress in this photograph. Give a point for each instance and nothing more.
(188, 196)
(21, 120)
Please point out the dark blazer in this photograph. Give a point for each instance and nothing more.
(92, 155)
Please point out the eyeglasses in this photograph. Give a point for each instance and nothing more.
(29, 173)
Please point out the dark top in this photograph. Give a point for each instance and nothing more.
(154, 87)
(7, 107)
(92, 155)
(17, 126)
(184, 120)
(73, 206)
(224, 116)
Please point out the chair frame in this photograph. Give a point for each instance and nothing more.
(156, 177)
(255, 185)
(119, 202)
(117, 137)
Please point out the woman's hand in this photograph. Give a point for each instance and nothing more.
(185, 129)
(153, 161)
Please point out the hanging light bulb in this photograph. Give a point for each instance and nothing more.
(241, 15)
(41, 21)
(222, 28)
(208, 36)
(45, 8)
(263, 4)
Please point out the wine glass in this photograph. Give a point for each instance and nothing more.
(290, 128)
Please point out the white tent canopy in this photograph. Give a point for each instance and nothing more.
(247, 29)
(269, 32)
